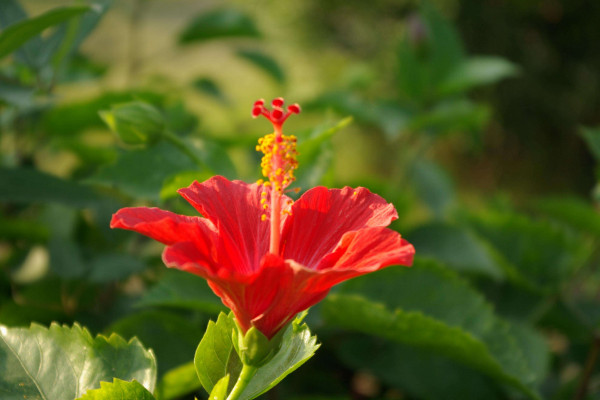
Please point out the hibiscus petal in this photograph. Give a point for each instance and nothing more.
(234, 208)
(164, 226)
(364, 251)
(322, 216)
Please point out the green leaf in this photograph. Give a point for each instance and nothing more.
(182, 290)
(571, 211)
(445, 47)
(433, 186)
(216, 24)
(455, 247)
(592, 138)
(177, 382)
(297, 346)
(23, 185)
(219, 391)
(210, 88)
(412, 369)
(419, 330)
(536, 254)
(216, 357)
(451, 116)
(430, 308)
(118, 389)
(75, 118)
(135, 123)
(264, 62)
(109, 267)
(181, 180)
(20, 96)
(19, 33)
(477, 71)
(136, 174)
(315, 154)
(156, 328)
(64, 362)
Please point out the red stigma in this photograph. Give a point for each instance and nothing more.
(277, 116)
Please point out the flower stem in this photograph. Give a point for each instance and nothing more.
(245, 375)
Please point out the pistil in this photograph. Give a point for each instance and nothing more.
(278, 163)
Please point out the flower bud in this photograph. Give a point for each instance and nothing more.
(135, 122)
(254, 348)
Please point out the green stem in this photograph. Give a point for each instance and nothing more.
(181, 145)
(245, 375)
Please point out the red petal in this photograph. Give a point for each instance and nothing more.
(234, 208)
(322, 216)
(164, 226)
(364, 251)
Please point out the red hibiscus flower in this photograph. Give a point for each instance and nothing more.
(267, 257)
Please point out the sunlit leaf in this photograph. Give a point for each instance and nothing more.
(118, 389)
(64, 362)
(135, 122)
(216, 357)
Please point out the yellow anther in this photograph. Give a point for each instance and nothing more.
(263, 217)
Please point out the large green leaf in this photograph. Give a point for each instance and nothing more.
(19, 33)
(64, 362)
(430, 308)
(221, 23)
(455, 247)
(182, 290)
(573, 212)
(118, 389)
(216, 357)
(536, 254)
(412, 369)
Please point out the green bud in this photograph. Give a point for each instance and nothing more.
(254, 348)
(135, 122)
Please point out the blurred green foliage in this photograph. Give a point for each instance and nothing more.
(502, 302)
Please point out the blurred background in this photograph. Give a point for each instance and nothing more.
(479, 120)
